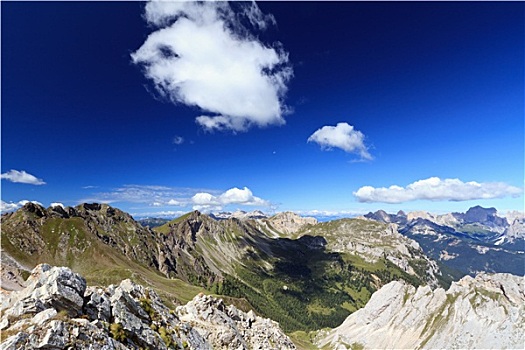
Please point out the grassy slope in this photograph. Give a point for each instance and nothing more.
(99, 263)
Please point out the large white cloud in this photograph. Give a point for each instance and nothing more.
(203, 56)
(21, 177)
(436, 189)
(342, 136)
(234, 195)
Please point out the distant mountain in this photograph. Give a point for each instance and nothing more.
(485, 312)
(152, 222)
(240, 214)
(471, 242)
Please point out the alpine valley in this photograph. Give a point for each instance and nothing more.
(91, 276)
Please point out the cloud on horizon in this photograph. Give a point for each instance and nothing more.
(11, 206)
(342, 136)
(21, 177)
(204, 55)
(162, 196)
(436, 189)
(207, 201)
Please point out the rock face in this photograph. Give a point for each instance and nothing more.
(483, 312)
(289, 222)
(225, 327)
(57, 311)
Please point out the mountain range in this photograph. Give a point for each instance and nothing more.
(467, 243)
(301, 273)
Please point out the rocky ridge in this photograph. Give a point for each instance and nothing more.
(289, 223)
(57, 310)
(467, 243)
(483, 312)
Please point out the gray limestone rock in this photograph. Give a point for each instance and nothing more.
(474, 313)
(56, 311)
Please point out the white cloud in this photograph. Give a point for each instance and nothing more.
(204, 199)
(24, 202)
(203, 56)
(150, 194)
(56, 204)
(178, 140)
(342, 136)
(11, 206)
(207, 201)
(436, 189)
(238, 196)
(7, 207)
(159, 196)
(174, 202)
(330, 213)
(159, 214)
(21, 177)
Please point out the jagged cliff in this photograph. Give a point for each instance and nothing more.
(487, 311)
(56, 310)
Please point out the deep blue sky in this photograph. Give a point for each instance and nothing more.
(436, 88)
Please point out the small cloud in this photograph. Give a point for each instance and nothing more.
(204, 55)
(56, 204)
(178, 140)
(89, 187)
(204, 199)
(174, 202)
(21, 177)
(342, 136)
(8, 207)
(234, 195)
(158, 214)
(436, 189)
(238, 196)
(156, 204)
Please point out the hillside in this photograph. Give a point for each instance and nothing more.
(475, 313)
(102, 243)
(300, 279)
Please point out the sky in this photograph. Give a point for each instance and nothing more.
(323, 108)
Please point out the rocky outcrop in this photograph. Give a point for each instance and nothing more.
(57, 311)
(483, 312)
(225, 327)
(289, 223)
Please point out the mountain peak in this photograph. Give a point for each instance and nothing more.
(289, 222)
